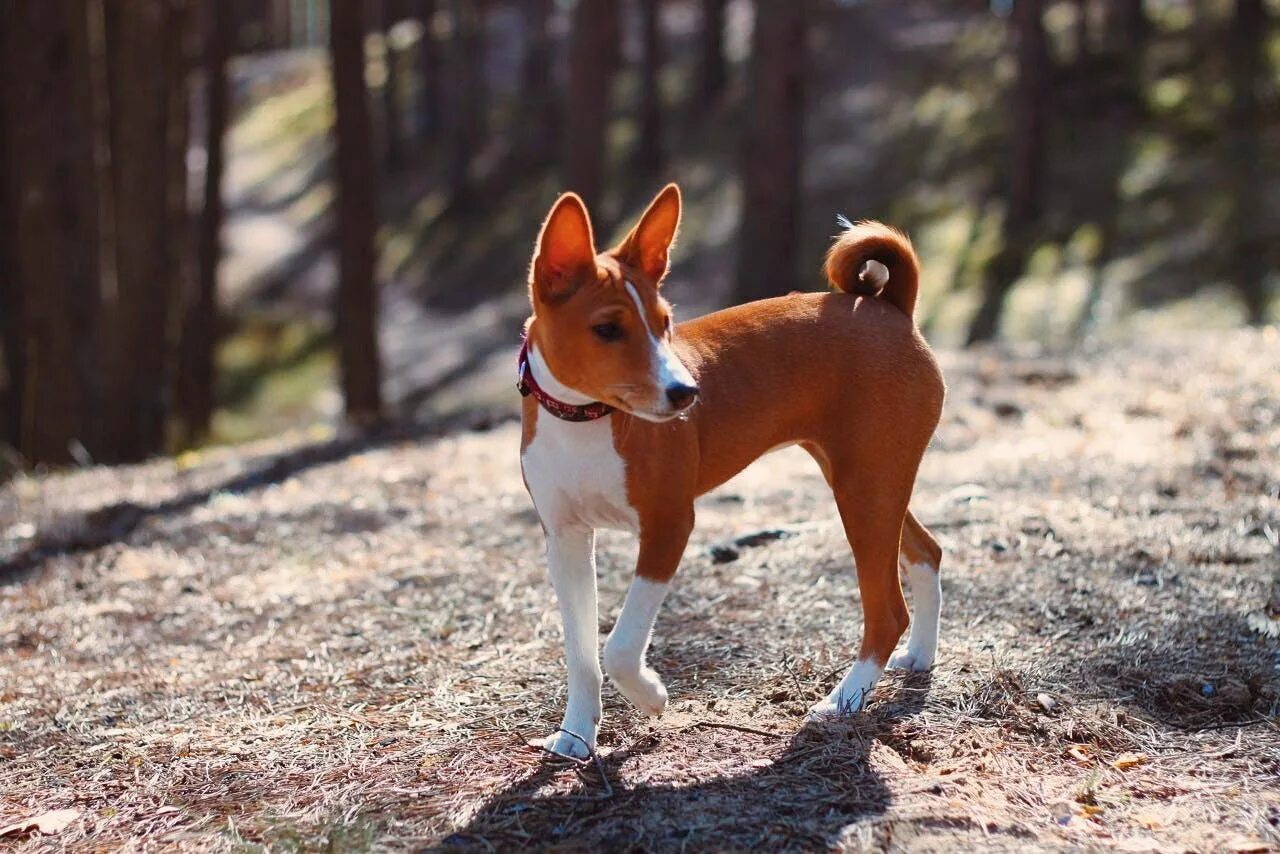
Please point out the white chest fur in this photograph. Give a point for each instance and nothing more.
(575, 475)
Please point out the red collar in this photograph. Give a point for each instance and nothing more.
(527, 385)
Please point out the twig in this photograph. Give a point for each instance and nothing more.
(734, 727)
(594, 757)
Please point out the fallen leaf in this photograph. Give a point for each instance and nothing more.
(1129, 760)
(51, 822)
(1080, 752)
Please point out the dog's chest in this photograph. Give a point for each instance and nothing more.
(576, 476)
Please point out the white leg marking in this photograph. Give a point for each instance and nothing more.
(625, 650)
(571, 560)
(853, 692)
(926, 607)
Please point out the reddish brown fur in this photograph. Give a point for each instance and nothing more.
(848, 378)
(873, 241)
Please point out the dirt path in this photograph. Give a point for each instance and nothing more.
(347, 644)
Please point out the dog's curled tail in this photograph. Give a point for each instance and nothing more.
(875, 260)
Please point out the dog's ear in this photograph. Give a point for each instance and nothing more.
(648, 246)
(566, 255)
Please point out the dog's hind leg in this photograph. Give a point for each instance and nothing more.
(920, 559)
(873, 518)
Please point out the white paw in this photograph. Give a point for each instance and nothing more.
(837, 705)
(915, 661)
(644, 689)
(563, 744)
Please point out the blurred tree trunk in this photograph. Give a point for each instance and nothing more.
(1114, 110)
(49, 257)
(430, 99)
(1081, 33)
(194, 389)
(11, 361)
(137, 310)
(281, 24)
(772, 162)
(356, 301)
(712, 67)
(593, 48)
(1027, 140)
(178, 237)
(1127, 20)
(392, 12)
(650, 156)
(469, 109)
(1248, 260)
(541, 118)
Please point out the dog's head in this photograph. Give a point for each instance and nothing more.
(599, 320)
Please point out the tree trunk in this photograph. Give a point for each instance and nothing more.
(178, 237)
(1247, 264)
(12, 370)
(1132, 24)
(137, 309)
(541, 118)
(49, 258)
(593, 46)
(430, 98)
(392, 13)
(196, 380)
(649, 156)
(470, 108)
(712, 68)
(1027, 140)
(281, 24)
(768, 244)
(356, 302)
(1082, 30)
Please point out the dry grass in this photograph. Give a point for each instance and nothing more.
(346, 645)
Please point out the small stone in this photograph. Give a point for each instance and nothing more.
(724, 554)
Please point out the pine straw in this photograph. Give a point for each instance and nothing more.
(347, 645)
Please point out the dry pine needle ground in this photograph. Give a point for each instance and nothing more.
(318, 644)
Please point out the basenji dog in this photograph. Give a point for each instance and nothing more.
(628, 417)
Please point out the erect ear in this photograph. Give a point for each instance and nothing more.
(648, 246)
(566, 254)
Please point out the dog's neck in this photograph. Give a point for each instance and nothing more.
(552, 386)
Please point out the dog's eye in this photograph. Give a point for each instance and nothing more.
(607, 331)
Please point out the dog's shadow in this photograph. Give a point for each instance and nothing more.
(818, 790)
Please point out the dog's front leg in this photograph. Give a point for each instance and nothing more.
(662, 542)
(572, 565)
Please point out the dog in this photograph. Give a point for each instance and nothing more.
(628, 417)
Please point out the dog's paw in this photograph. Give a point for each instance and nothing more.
(837, 705)
(916, 662)
(645, 691)
(562, 743)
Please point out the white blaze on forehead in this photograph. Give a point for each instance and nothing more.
(668, 369)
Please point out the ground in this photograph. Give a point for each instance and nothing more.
(342, 642)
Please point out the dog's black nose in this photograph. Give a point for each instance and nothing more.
(681, 395)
